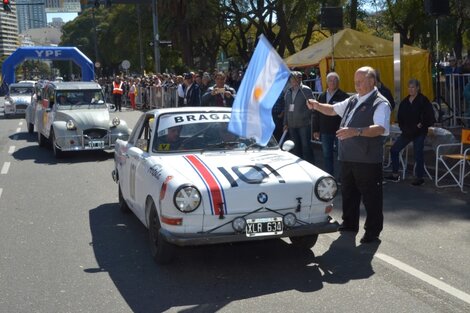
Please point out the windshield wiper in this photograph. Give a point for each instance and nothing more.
(224, 144)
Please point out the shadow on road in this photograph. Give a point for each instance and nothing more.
(45, 156)
(204, 279)
(24, 136)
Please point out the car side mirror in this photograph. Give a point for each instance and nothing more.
(288, 145)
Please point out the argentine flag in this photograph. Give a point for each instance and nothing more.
(259, 90)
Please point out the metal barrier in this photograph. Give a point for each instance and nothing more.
(153, 97)
(457, 110)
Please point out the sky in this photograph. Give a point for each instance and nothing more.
(65, 16)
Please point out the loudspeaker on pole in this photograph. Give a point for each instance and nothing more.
(331, 18)
(436, 7)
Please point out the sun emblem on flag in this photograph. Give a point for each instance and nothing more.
(257, 93)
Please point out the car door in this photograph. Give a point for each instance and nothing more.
(125, 163)
(138, 175)
(46, 114)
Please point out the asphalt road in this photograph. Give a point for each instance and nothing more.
(65, 247)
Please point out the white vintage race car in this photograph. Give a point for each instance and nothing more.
(192, 182)
(19, 98)
(73, 116)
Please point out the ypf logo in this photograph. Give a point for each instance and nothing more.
(48, 53)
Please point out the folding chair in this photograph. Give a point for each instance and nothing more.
(454, 161)
(403, 155)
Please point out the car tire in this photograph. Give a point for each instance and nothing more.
(122, 202)
(58, 153)
(304, 242)
(30, 128)
(41, 139)
(162, 251)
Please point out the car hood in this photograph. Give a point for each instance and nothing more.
(243, 181)
(85, 118)
(20, 99)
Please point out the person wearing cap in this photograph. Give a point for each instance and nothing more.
(220, 94)
(192, 93)
(297, 117)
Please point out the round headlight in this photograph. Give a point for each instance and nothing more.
(116, 121)
(326, 188)
(187, 198)
(239, 224)
(289, 219)
(70, 125)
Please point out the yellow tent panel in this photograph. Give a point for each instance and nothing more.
(353, 49)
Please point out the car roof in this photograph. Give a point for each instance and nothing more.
(23, 84)
(74, 85)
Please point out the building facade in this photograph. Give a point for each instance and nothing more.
(30, 14)
(8, 31)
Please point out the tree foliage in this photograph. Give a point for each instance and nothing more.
(201, 31)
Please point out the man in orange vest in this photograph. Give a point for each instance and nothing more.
(117, 93)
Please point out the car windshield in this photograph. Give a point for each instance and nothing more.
(82, 99)
(204, 135)
(21, 91)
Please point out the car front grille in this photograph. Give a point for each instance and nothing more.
(95, 133)
(21, 106)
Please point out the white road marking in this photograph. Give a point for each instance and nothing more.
(425, 277)
(11, 150)
(20, 123)
(5, 168)
(18, 129)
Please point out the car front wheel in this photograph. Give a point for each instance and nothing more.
(305, 242)
(162, 251)
(41, 139)
(58, 153)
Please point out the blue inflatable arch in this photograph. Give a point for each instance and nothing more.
(47, 53)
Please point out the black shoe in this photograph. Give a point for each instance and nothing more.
(369, 238)
(342, 228)
(393, 178)
(417, 182)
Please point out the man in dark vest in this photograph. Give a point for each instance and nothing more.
(365, 118)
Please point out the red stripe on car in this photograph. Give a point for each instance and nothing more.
(213, 187)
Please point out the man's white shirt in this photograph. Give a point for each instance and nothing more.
(381, 114)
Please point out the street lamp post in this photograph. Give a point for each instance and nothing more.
(156, 38)
(141, 52)
(95, 37)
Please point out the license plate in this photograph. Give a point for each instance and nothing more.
(96, 144)
(20, 111)
(264, 226)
